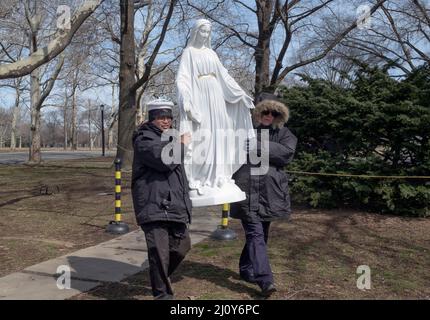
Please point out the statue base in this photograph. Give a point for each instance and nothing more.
(208, 196)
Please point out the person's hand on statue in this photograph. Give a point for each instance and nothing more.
(193, 116)
(250, 145)
(186, 138)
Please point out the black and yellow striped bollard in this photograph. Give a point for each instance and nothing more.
(223, 232)
(117, 226)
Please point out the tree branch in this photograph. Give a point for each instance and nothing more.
(150, 62)
(335, 42)
(423, 10)
(246, 6)
(139, 4)
(310, 12)
(6, 52)
(51, 82)
(399, 38)
(53, 49)
(234, 31)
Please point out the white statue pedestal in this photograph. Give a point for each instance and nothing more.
(228, 193)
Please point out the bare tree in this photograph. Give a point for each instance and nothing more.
(129, 83)
(5, 119)
(51, 131)
(113, 119)
(39, 92)
(292, 19)
(398, 36)
(57, 45)
(16, 112)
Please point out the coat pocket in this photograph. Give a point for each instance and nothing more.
(271, 194)
(165, 200)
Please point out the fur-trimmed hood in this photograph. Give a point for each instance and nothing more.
(265, 105)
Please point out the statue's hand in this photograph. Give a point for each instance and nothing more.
(194, 116)
(248, 100)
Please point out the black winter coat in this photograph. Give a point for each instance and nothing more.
(160, 191)
(267, 196)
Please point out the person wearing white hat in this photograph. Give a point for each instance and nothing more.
(159, 108)
(160, 197)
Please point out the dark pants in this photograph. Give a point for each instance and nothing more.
(168, 243)
(254, 263)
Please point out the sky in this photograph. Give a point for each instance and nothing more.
(103, 95)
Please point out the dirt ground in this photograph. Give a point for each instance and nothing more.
(61, 207)
(57, 208)
(313, 256)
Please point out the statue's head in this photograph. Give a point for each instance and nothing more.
(201, 33)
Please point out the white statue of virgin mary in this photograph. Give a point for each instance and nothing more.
(216, 111)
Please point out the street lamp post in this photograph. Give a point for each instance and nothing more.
(102, 107)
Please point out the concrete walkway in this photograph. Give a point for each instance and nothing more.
(110, 261)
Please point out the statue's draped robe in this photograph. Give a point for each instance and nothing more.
(218, 102)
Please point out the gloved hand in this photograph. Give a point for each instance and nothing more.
(251, 145)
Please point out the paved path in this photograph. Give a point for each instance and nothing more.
(21, 157)
(111, 261)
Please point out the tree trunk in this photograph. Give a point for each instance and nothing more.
(110, 138)
(262, 51)
(74, 129)
(35, 146)
(15, 119)
(65, 124)
(89, 126)
(262, 66)
(139, 114)
(111, 120)
(127, 99)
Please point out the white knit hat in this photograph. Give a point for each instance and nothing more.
(159, 104)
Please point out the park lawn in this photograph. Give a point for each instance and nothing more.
(35, 226)
(314, 256)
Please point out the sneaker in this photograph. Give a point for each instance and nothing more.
(268, 290)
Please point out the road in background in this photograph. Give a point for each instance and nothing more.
(21, 157)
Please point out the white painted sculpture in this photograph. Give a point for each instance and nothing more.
(216, 111)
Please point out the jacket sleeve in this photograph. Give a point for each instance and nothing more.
(281, 153)
(150, 150)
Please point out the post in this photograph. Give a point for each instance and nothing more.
(117, 226)
(223, 232)
(102, 107)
